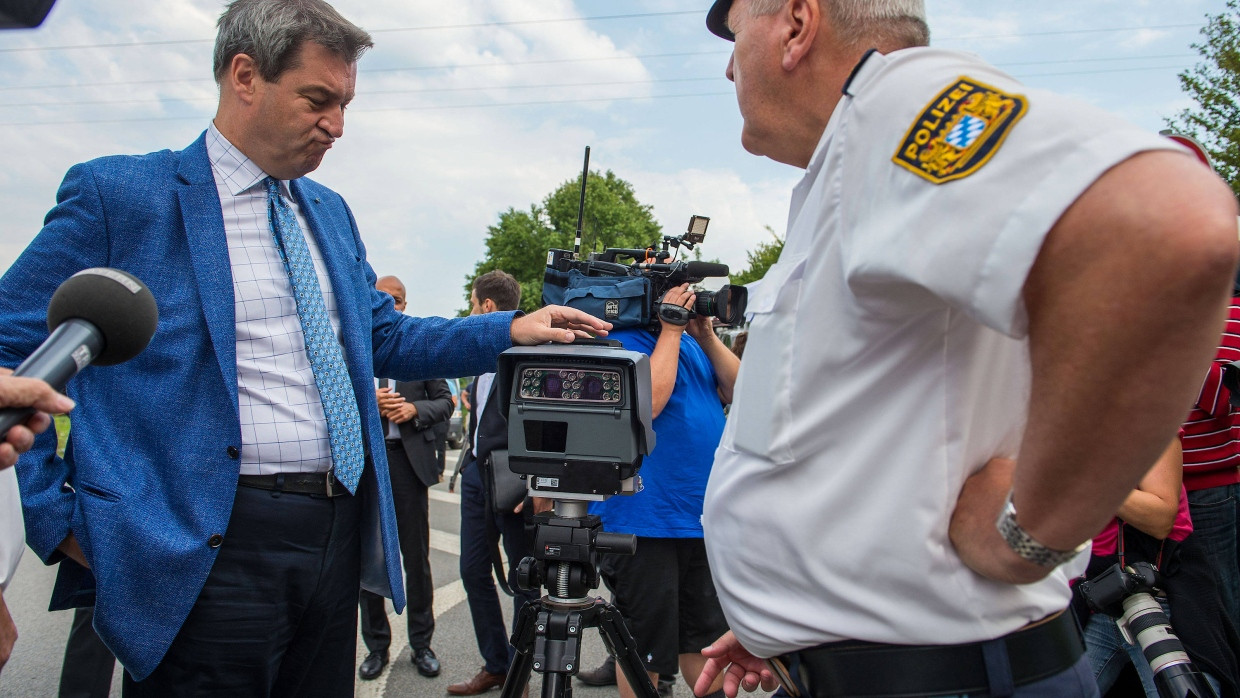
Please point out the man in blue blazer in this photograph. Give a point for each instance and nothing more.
(223, 550)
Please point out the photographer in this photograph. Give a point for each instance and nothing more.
(665, 590)
(1212, 465)
(1153, 526)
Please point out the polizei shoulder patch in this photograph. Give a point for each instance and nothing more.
(959, 131)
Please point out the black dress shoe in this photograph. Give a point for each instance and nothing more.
(602, 675)
(372, 666)
(425, 662)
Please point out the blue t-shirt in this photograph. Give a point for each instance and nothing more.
(687, 432)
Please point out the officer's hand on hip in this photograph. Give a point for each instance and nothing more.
(973, 531)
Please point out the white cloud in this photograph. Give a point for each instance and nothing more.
(426, 174)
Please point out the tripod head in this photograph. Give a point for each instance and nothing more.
(564, 547)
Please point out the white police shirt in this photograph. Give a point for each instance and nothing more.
(887, 359)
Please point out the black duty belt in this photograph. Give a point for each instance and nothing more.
(855, 668)
(324, 484)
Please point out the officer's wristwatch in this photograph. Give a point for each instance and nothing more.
(1024, 545)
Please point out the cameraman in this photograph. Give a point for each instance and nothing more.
(665, 590)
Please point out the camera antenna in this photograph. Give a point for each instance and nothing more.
(581, 206)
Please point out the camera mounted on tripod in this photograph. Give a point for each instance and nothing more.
(579, 424)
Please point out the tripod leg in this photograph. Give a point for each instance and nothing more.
(523, 641)
(556, 685)
(617, 637)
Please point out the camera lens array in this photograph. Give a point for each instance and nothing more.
(584, 386)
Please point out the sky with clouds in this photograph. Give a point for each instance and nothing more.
(467, 108)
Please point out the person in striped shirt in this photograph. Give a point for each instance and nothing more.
(1211, 443)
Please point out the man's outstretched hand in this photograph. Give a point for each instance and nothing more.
(556, 323)
(740, 668)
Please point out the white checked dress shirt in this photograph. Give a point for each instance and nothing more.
(283, 428)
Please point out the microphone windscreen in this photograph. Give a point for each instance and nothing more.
(116, 302)
(696, 268)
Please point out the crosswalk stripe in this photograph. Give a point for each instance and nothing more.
(439, 495)
(445, 542)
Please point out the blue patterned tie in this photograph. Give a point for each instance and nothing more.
(331, 375)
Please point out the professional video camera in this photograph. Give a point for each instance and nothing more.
(1127, 595)
(629, 295)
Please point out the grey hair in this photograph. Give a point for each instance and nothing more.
(272, 31)
(901, 23)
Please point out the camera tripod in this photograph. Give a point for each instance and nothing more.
(547, 636)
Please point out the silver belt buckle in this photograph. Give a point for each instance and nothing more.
(330, 479)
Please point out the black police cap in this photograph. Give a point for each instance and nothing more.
(717, 20)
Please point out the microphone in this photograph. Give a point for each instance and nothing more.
(99, 315)
(690, 270)
(696, 268)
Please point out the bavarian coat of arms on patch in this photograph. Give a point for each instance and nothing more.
(959, 130)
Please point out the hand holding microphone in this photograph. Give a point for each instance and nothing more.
(99, 315)
(27, 392)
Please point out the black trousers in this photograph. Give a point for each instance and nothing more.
(478, 528)
(278, 613)
(413, 526)
(88, 666)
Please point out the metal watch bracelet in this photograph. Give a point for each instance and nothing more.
(1025, 545)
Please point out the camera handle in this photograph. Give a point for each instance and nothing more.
(675, 314)
(547, 636)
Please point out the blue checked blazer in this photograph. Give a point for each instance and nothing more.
(148, 477)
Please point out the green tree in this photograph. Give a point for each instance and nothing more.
(760, 259)
(518, 243)
(1214, 84)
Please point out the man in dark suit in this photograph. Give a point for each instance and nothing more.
(224, 549)
(410, 414)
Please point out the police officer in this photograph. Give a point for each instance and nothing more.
(968, 268)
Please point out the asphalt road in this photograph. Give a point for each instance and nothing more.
(34, 669)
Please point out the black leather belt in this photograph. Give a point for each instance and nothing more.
(868, 669)
(324, 484)
(393, 444)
